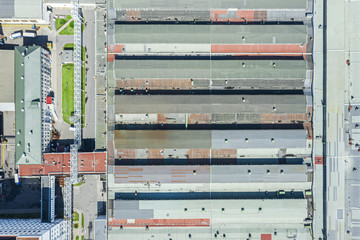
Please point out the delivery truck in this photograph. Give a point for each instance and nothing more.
(15, 35)
(29, 34)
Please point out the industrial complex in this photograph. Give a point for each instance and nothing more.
(210, 120)
(175, 120)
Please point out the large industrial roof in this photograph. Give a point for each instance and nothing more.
(7, 86)
(211, 34)
(31, 9)
(205, 139)
(272, 211)
(222, 231)
(206, 179)
(210, 174)
(225, 69)
(28, 105)
(210, 4)
(210, 104)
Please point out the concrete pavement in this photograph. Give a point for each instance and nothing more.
(318, 127)
(86, 198)
(343, 46)
(89, 44)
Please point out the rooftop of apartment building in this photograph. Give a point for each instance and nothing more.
(28, 105)
(59, 164)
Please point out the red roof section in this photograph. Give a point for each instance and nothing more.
(59, 163)
(265, 236)
(48, 100)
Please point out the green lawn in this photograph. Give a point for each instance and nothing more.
(67, 91)
(82, 220)
(76, 217)
(60, 22)
(69, 30)
(78, 184)
(70, 93)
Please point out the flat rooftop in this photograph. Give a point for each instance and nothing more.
(7, 79)
(210, 34)
(205, 139)
(59, 163)
(28, 105)
(209, 4)
(210, 104)
(31, 9)
(210, 69)
(209, 179)
(209, 174)
(161, 213)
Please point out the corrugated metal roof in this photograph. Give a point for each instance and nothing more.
(205, 139)
(210, 4)
(210, 34)
(272, 211)
(209, 174)
(210, 104)
(223, 69)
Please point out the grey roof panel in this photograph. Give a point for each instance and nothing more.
(210, 104)
(140, 139)
(205, 139)
(213, 69)
(258, 139)
(31, 9)
(7, 8)
(130, 210)
(208, 174)
(210, 34)
(7, 85)
(100, 228)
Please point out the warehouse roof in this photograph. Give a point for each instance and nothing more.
(210, 34)
(205, 139)
(210, 4)
(222, 231)
(28, 105)
(210, 174)
(210, 104)
(272, 211)
(7, 86)
(21, 9)
(224, 69)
